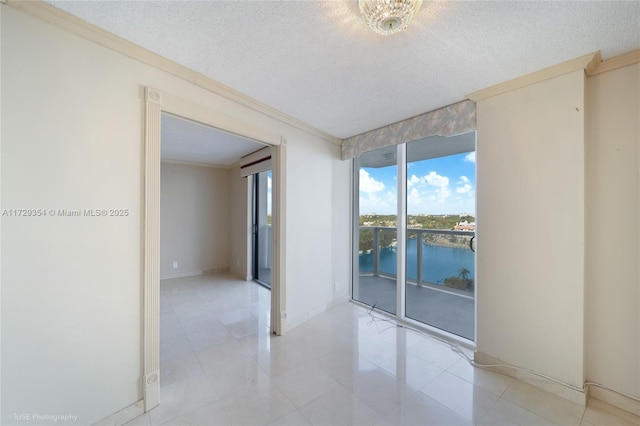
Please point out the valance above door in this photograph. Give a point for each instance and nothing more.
(448, 121)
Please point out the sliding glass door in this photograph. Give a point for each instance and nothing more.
(377, 236)
(437, 198)
(262, 228)
(440, 199)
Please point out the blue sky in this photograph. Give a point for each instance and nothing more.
(445, 185)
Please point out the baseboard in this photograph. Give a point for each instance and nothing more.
(338, 300)
(289, 324)
(615, 399)
(573, 395)
(195, 273)
(241, 275)
(224, 270)
(123, 416)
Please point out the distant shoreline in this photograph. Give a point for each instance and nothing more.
(438, 244)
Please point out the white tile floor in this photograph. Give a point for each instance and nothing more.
(220, 366)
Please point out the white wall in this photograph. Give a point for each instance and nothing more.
(530, 259)
(72, 137)
(71, 290)
(309, 234)
(194, 220)
(612, 283)
(341, 227)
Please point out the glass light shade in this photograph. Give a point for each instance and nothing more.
(388, 16)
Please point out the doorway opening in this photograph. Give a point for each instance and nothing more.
(158, 106)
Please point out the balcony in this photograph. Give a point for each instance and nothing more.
(439, 276)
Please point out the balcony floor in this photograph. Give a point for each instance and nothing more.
(439, 308)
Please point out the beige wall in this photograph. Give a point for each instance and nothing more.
(71, 293)
(558, 208)
(530, 259)
(72, 138)
(194, 220)
(612, 283)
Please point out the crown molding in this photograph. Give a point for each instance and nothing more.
(616, 62)
(196, 163)
(52, 15)
(588, 63)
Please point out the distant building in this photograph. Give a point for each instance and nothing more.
(465, 226)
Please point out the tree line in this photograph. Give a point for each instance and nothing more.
(387, 237)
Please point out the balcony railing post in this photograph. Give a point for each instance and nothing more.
(419, 255)
(376, 251)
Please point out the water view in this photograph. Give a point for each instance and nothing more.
(438, 262)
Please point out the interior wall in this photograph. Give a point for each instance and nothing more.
(341, 227)
(72, 286)
(530, 259)
(195, 219)
(309, 249)
(612, 282)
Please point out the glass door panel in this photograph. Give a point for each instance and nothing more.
(439, 288)
(262, 228)
(376, 235)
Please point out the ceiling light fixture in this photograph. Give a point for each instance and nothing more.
(388, 16)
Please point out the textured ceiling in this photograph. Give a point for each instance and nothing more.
(187, 141)
(317, 61)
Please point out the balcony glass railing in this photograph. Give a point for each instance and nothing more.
(440, 275)
(377, 250)
(434, 256)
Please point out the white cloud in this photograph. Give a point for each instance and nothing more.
(443, 193)
(435, 179)
(268, 182)
(372, 202)
(369, 184)
(441, 185)
(391, 197)
(432, 179)
(464, 189)
(470, 157)
(425, 191)
(414, 180)
(431, 193)
(464, 186)
(414, 198)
